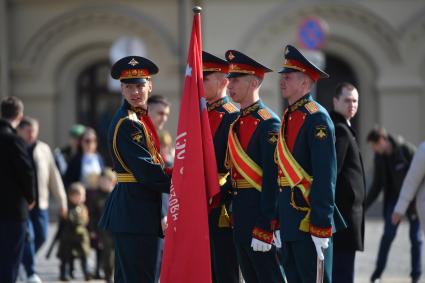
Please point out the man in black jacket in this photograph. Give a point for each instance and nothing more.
(392, 160)
(17, 189)
(350, 185)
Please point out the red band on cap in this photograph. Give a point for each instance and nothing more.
(293, 64)
(246, 69)
(134, 74)
(214, 67)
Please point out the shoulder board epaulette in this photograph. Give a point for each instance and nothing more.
(264, 113)
(132, 116)
(230, 108)
(311, 107)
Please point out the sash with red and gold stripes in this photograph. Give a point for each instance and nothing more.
(240, 160)
(152, 139)
(295, 174)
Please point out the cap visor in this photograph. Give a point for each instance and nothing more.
(235, 75)
(207, 73)
(134, 81)
(324, 75)
(286, 70)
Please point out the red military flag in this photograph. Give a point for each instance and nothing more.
(187, 247)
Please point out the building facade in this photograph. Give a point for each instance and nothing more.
(55, 55)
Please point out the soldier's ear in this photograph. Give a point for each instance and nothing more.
(255, 82)
(223, 81)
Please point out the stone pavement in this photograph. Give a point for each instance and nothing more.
(398, 266)
(397, 270)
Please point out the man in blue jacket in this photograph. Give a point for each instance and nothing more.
(250, 158)
(133, 211)
(306, 157)
(221, 114)
(393, 156)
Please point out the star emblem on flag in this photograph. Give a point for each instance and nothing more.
(203, 103)
(188, 72)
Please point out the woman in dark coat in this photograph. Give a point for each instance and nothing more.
(86, 162)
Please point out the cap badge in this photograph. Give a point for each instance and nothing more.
(133, 62)
(231, 56)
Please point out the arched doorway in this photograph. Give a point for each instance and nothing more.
(339, 71)
(95, 103)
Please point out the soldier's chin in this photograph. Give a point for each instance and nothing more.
(283, 93)
(137, 102)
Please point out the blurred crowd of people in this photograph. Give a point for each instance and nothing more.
(79, 181)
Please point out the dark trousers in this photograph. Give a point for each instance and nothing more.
(300, 261)
(67, 267)
(343, 265)
(259, 267)
(37, 233)
(135, 257)
(108, 254)
(390, 232)
(12, 239)
(223, 257)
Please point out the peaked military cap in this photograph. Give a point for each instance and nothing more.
(133, 70)
(296, 62)
(242, 65)
(211, 64)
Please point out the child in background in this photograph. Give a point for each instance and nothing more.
(74, 241)
(91, 183)
(107, 181)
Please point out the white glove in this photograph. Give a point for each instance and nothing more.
(164, 224)
(320, 244)
(276, 239)
(260, 246)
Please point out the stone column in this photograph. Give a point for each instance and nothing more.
(4, 60)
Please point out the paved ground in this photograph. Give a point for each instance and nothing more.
(397, 270)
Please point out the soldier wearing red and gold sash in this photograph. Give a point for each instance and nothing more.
(251, 144)
(221, 113)
(305, 154)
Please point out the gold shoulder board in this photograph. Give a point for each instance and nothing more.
(264, 113)
(311, 107)
(230, 108)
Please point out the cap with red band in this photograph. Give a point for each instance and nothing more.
(133, 70)
(211, 64)
(242, 65)
(296, 62)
